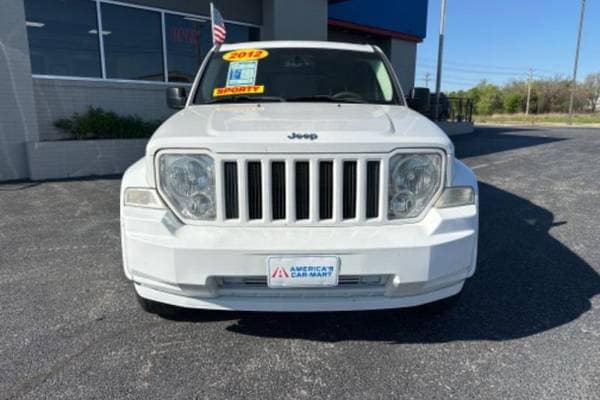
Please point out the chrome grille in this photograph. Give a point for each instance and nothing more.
(301, 190)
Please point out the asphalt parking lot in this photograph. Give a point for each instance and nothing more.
(528, 325)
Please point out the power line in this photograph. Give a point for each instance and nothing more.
(459, 79)
(496, 67)
(474, 71)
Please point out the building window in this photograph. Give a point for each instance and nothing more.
(63, 37)
(64, 41)
(188, 41)
(241, 33)
(132, 43)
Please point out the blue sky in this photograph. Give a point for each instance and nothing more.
(499, 40)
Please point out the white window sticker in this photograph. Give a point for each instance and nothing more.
(242, 73)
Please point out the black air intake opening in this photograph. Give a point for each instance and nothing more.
(254, 190)
(373, 189)
(326, 189)
(278, 189)
(302, 190)
(231, 190)
(349, 190)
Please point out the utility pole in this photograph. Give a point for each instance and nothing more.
(427, 79)
(574, 83)
(438, 84)
(529, 91)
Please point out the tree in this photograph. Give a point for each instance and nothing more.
(487, 98)
(514, 96)
(512, 103)
(591, 91)
(550, 95)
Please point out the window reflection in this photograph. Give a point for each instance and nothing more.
(132, 43)
(188, 41)
(63, 37)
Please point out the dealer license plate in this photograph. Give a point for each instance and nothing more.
(302, 272)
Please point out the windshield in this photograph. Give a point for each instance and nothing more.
(296, 74)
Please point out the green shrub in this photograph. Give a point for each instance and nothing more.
(97, 123)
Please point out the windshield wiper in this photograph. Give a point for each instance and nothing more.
(326, 98)
(245, 99)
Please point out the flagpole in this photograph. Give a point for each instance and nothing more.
(212, 22)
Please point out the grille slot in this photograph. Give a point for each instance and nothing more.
(349, 191)
(254, 190)
(231, 190)
(278, 189)
(372, 191)
(302, 190)
(326, 189)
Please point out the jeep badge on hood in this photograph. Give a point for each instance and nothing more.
(309, 136)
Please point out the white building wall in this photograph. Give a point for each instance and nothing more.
(403, 55)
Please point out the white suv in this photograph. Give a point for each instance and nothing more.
(295, 178)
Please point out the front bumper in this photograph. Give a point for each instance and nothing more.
(186, 265)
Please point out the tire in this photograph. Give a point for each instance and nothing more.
(440, 307)
(154, 307)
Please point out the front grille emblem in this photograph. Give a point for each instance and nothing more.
(307, 136)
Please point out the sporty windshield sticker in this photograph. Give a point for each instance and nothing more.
(245, 55)
(242, 73)
(233, 90)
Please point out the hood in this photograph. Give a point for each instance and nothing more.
(268, 127)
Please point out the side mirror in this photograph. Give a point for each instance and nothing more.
(176, 97)
(419, 100)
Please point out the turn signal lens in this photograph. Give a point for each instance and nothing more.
(456, 197)
(142, 197)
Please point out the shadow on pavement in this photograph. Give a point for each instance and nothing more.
(527, 282)
(488, 140)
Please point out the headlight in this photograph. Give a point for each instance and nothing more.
(413, 181)
(188, 182)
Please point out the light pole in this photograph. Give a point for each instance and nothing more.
(438, 83)
(427, 79)
(574, 83)
(529, 91)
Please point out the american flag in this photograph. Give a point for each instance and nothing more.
(218, 26)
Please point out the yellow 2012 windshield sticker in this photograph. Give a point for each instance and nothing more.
(245, 55)
(233, 90)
